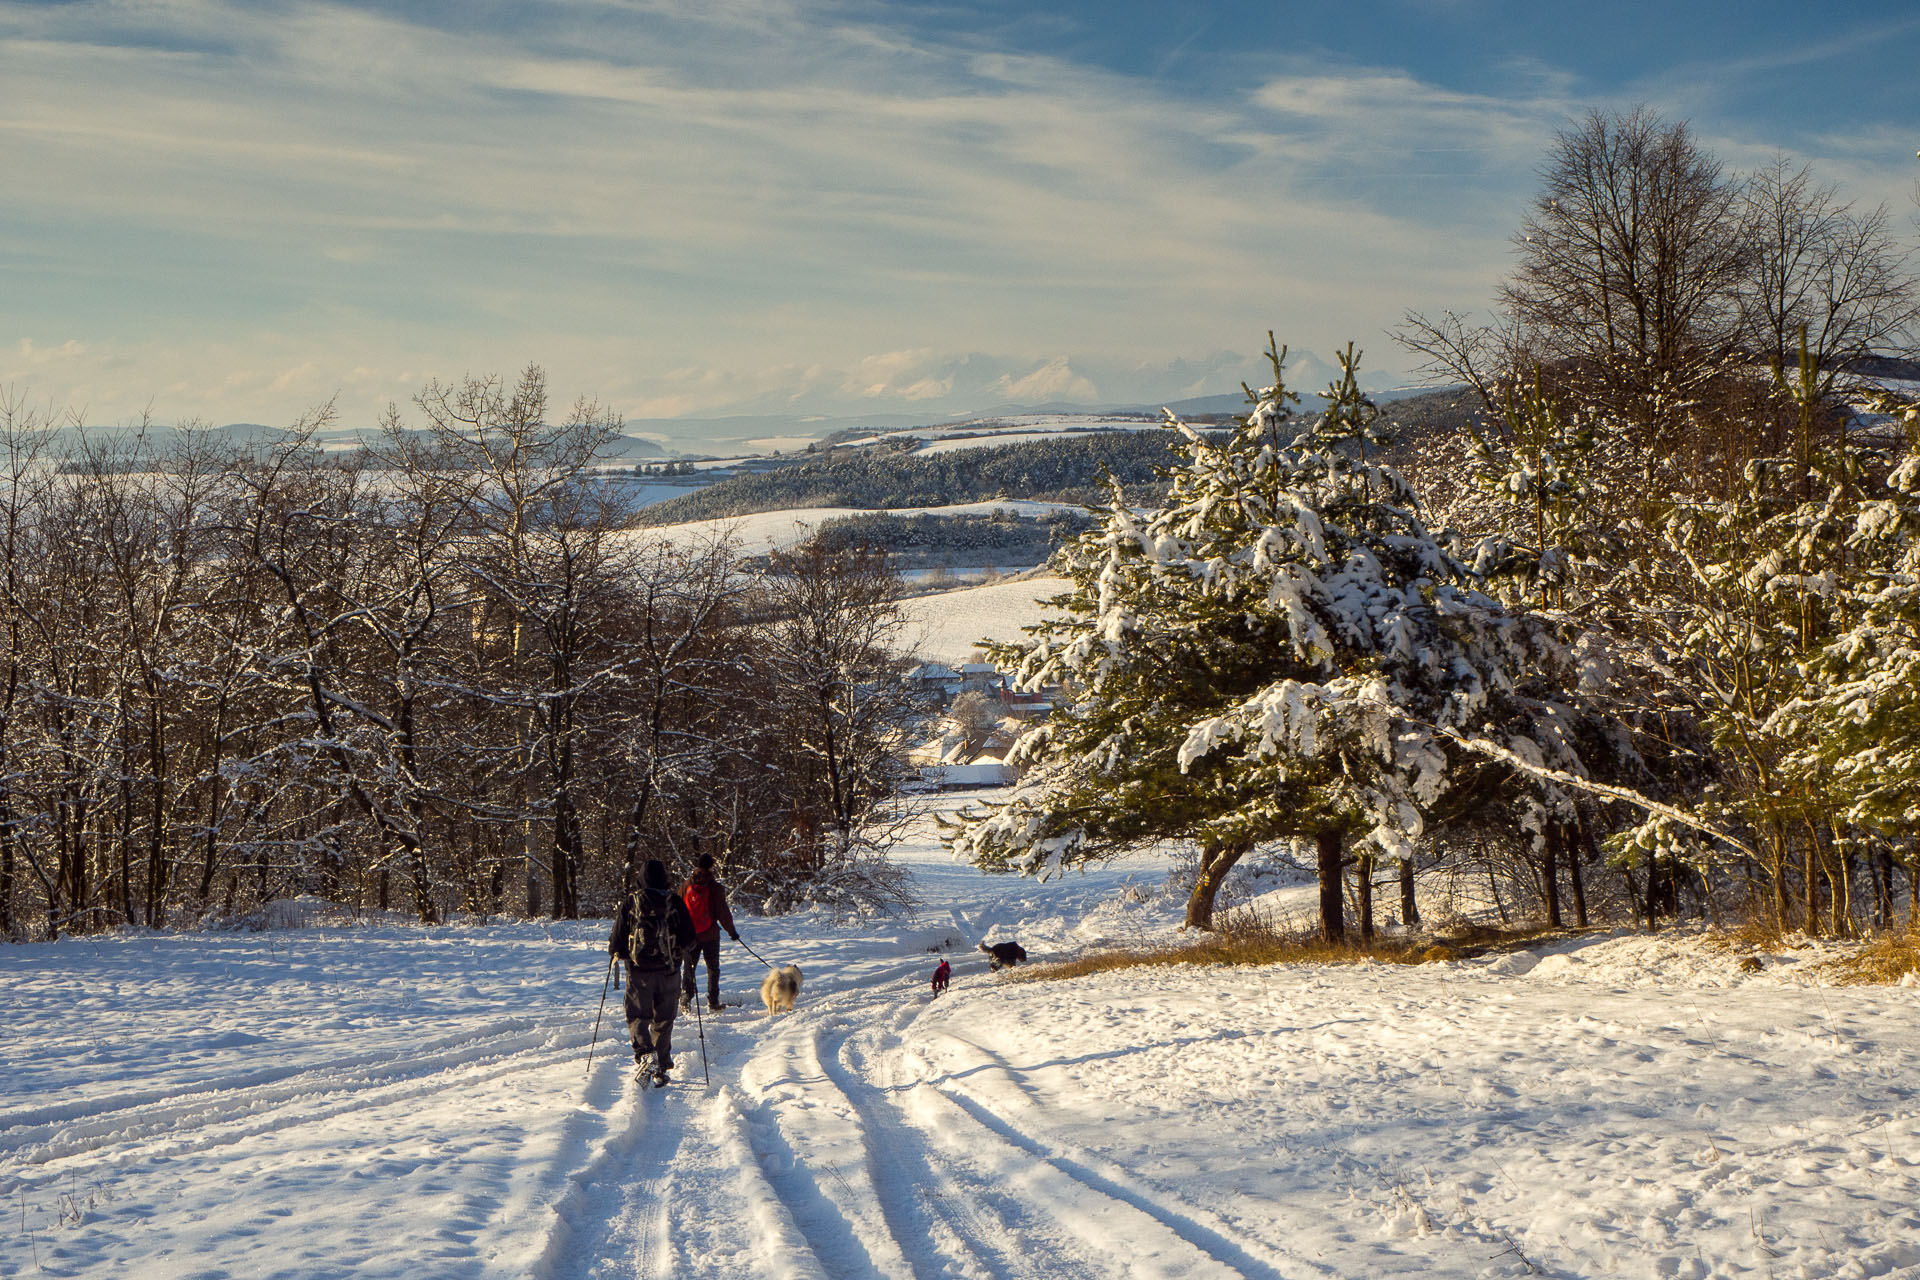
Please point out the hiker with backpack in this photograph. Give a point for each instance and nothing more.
(706, 902)
(651, 933)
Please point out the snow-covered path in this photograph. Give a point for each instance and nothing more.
(406, 1102)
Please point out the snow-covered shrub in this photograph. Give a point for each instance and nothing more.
(861, 881)
(279, 914)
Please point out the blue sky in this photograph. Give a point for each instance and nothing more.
(234, 211)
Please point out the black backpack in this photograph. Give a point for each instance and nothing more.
(656, 937)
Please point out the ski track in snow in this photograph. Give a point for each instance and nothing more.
(392, 1102)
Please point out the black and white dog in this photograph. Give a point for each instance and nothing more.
(1003, 955)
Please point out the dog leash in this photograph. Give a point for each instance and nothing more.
(755, 954)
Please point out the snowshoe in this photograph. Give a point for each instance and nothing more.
(659, 1078)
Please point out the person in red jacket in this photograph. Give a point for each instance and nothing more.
(706, 901)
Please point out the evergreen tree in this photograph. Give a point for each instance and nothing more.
(1282, 650)
(1854, 731)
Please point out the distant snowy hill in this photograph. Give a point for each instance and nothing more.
(950, 626)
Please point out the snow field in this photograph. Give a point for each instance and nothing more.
(766, 531)
(1387, 1121)
(949, 626)
(959, 444)
(409, 1102)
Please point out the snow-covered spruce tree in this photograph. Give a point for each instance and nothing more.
(1855, 729)
(1283, 650)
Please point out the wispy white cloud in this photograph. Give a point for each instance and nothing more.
(701, 208)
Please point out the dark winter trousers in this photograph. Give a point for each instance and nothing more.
(650, 1011)
(710, 950)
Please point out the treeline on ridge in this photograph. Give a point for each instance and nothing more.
(930, 541)
(1065, 469)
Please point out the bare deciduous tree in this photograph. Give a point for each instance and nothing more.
(1820, 272)
(1629, 267)
(831, 655)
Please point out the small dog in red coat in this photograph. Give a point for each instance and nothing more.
(941, 977)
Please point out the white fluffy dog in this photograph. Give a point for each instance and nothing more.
(780, 987)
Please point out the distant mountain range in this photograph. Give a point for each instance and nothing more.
(68, 441)
(649, 439)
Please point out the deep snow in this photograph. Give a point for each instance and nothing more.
(394, 1101)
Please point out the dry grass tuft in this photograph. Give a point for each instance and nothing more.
(1882, 961)
(1214, 949)
(1758, 933)
(1245, 938)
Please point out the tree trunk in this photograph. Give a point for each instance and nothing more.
(566, 858)
(1810, 872)
(1215, 862)
(124, 837)
(1328, 844)
(6, 870)
(1782, 902)
(1363, 870)
(1880, 864)
(1578, 881)
(1409, 906)
(1550, 874)
(1633, 894)
(159, 855)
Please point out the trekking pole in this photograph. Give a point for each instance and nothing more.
(701, 1023)
(755, 954)
(596, 1017)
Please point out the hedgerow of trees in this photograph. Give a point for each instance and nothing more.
(926, 540)
(442, 674)
(1063, 469)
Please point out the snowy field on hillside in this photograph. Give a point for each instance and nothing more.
(391, 1101)
(1033, 433)
(948, 627)
(1016, 429)
(765, 531)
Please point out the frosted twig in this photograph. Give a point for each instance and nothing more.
(1513, 1247)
